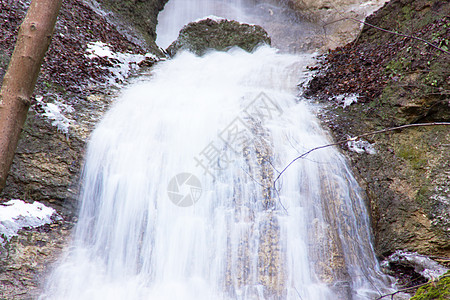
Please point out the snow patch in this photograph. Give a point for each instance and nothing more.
(423, 265)
(122, 63)
(211, 17)
(55, 112)
(220, 19)
(346, 99)
(361, 146)
(17, 214)
(349, 100)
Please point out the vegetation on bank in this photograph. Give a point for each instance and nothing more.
(439, 290)
(399, 68)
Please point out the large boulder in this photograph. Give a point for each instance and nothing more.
(219, 34)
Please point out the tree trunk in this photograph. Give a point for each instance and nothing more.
(18, 84)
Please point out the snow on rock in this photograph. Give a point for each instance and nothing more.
(122, 63)
(361, 146)
(423, 265)
(219, 19)
(346, 99)
(17, 214)
(55, 112)
(211, 17)
(350, 99)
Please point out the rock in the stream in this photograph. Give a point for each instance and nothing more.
(219, 34)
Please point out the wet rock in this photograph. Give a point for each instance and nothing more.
(338, 18)
(399, 81)
(219, 34)
(48, 160)
(136, 19)
(27, 257)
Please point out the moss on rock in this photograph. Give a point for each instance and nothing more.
(399, 80)
(199, 37)
(439, 290)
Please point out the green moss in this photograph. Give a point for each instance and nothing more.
(439, 290)
(413, 154)
(436, 77)
(394, 67)
(423, 194)
(407, 12)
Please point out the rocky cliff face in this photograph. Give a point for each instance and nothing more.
(338, 19)
(137, 19)
(398, 80)
(87, 54)
(67, 101)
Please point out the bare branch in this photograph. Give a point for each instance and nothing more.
(401, 34)
(385, 30)
(409, 288)
(357, 137)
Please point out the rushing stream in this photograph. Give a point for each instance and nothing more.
(180, 198)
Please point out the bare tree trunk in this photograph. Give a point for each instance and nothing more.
(18, 84)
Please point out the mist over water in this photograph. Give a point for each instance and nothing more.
(179, 199)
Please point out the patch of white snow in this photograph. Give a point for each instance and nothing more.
(122, 63)
(423, 265)
(346, 99)
(55, 112)
(17, 214)
(361, 146)
(211, 17)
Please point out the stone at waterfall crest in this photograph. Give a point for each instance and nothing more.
(219, 34)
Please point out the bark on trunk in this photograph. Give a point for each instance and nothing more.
(18, 84)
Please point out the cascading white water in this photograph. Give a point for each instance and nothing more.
(216, 130)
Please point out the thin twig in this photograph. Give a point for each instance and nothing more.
(402, 34)
(357, 137)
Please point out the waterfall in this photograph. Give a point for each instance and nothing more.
(284, 27)
(180, 197)
(177, 13)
